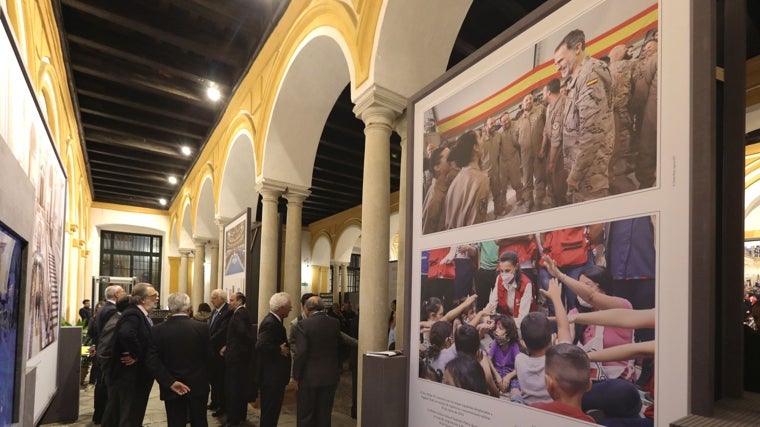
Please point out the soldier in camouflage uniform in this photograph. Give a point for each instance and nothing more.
(643, 107)
(509, 161)
(489, 163)
(621, 71)
(555, 166)
(529, 134)
(588, 129)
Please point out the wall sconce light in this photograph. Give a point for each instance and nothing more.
(74, 243)
(73, 228)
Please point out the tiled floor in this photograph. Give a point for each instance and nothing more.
(156, 417)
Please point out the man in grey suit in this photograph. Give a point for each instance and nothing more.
(316, 368)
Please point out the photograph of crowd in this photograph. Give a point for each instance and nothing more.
(570, 119)
(561, 320)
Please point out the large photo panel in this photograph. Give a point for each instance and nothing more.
(534, 319)
(567, 119)
(615, 156)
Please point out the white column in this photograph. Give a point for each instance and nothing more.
(220, 221)
(213, 250)
(336, 281)
(270, 193)
(344, 278)
(378, 108)
(198, 271)
(183, 254)
(292, 262)
(401, 125)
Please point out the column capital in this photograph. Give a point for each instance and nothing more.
(379, 105)
(185, 252)
(270, 189)
(200, 241)
(213, 244)
(296, 194)
(221, 221)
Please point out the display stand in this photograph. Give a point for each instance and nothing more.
(65, 405)
(384, 390)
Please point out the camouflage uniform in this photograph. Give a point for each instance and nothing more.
(553, 133)
(489, 163)
(588, 130)
(643, 107)
(529, 134)
(621, 72)
(509, 163)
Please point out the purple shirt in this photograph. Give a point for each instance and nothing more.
(503, 358)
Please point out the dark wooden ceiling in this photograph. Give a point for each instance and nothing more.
(140, 70)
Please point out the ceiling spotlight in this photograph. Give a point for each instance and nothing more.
(162, 202)
(186, 150)
(172, 180)
(213, 93)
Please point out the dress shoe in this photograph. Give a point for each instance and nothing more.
(218, 413)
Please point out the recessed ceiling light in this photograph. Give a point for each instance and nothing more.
(162, 202)
(186, 150)
(172, 180)
(213, 93)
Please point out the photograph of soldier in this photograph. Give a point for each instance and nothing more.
(570, 119)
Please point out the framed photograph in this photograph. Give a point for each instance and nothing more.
(26, 135)
(236, 259)
(11, 247)
(539, 168)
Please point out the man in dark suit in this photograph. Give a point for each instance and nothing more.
(181, 344)
(316, 368)
(132, 376)
(112, 294)
(237, 357)
(218, 332)
(274, 359)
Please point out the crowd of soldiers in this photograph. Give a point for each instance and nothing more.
(591, 133)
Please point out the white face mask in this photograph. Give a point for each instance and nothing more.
(584, 303)
(507, 277)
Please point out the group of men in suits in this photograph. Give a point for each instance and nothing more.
(185, 356)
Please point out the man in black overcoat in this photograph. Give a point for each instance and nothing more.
(274, 358)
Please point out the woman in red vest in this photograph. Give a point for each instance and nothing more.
(513, 292)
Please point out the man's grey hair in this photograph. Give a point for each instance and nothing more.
(139, 293)
(112, 290)
(278, 301)
(314, 304)
(179, 302)
(221, 293)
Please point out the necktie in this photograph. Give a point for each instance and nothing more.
(213, 317)
(150, 321)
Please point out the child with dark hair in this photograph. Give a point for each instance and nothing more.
(467, 342)
(536, 332)
(440, 351)
(504, 349)
(567, 378)
(464, 372)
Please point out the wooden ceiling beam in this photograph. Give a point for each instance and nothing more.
(143, 106)
(145, 122)
(138, 188)
(120, 75)
(120, 165)
(124, 15)
(122, 139)
(130, 195)
(184, 68)
(118, 175)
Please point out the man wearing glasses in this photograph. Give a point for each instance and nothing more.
(132, 377)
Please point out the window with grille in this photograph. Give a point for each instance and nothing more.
(131, 255)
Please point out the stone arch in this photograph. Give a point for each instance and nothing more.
(204, 210)
(318, 71)
(237, 189)
(413, 42)
(321, 251)
(49, 103)
(186, 226)
(346, 241)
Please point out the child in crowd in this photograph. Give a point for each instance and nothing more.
(567, 378)
(441, 351)
(537, 338)
(464, 372)
(504, 349)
